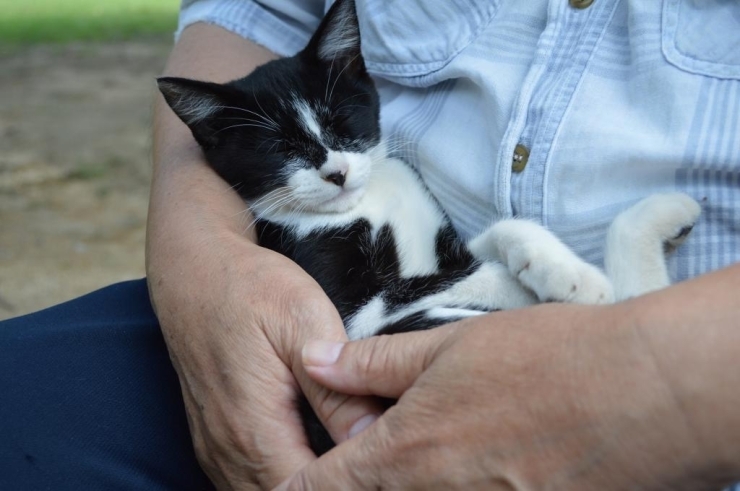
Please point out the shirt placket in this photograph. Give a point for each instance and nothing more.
(563, 51)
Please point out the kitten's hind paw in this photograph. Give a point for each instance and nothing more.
(670, 245)
(669, 218)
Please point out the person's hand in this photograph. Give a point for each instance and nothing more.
(234, 325)
(552, 397)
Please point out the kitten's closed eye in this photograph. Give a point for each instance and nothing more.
(338, 120)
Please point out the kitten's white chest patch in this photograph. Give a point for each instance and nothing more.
(415, 219)
(397, 197)
(394, 196)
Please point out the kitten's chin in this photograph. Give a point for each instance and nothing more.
(341, 203)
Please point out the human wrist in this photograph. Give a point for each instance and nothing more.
(693, 333)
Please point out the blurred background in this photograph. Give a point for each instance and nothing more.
(76, 91)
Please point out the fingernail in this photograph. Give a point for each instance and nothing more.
(321, 353)
(362, 423)
(283, 486)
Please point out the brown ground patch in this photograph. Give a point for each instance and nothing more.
(74, 168)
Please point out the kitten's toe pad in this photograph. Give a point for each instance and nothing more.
(669, 218)
(559, 277)
(670, 245)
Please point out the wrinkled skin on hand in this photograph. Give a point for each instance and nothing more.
(234, 346)
(552, 397)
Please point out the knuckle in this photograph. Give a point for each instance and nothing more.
(302, 482)
(328, 405)
(374, 358)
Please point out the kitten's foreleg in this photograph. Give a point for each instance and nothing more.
(542, 263)
(639, 239)
(489, 287)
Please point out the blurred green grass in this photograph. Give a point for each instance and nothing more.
(59, 21)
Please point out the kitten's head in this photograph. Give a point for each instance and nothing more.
(299, 132)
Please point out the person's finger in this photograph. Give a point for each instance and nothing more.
(227, 451)
(342, 415)
(379, 458)
(356, 464)
(383, 365)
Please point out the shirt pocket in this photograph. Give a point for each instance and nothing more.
(403, 40)
(703, 36)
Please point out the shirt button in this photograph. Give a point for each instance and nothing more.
(580, 4)
(521, 156)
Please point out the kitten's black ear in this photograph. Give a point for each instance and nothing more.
(197, 104)
(337, 40)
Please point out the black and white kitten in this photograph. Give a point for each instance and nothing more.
(299, 139)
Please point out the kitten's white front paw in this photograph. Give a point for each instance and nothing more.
(559, 275)
(542, 263)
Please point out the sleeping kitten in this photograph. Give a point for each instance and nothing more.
(299, 139)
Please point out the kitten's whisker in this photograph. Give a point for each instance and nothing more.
(264, 118)
(278, 194)
(295, 212)
(328, 79)
(244, 125)
(327, 99)
(276, 143)
(403, 149)
(243, 212)
(339, 105)
(397, 143)
(273, 206)
(408, 149)
(236, 185)
(273, 139)
(263, 213)
(349, 106)
(331, 93)
(266, 204)
(249, 120)
(264, 113)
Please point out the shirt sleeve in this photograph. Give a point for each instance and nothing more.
(282, 26)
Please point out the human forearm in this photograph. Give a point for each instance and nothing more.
(693, 332)
(186, 194)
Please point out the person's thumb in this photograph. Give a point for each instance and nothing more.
(383, 365)
(340, 414)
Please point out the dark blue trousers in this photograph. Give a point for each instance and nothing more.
(89, 399)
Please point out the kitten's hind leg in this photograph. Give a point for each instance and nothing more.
(542, 263)
(639, 239)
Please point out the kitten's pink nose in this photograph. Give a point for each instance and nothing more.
(337, 178)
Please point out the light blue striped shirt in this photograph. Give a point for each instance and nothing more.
(614, 102)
